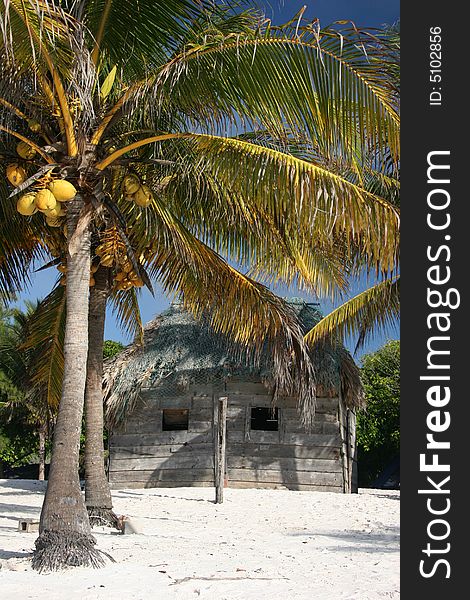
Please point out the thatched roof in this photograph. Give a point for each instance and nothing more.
(179, 351)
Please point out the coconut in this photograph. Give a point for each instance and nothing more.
(26, 205)
(34, 125)
(131, 184)
(92, 281)
(25, 150)
(143, 196)
(63, 280)
(45, 200)
(107, 260)
(62, 268)
(57, 211)
(94, 268)
(63, 190)
(53, 222)
(16, 175)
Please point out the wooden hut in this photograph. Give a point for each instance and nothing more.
(160, 406)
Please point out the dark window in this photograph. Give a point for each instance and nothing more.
(175, 419)
(264, 419)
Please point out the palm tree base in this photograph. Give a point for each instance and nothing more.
(102, 517)
(57, 550)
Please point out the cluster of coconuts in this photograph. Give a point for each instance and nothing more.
(48, 199)
(62, 268)
(135, 192)
(48, 195)
(125, 276)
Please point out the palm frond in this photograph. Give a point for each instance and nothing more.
(127, 311)
(46, 341)
(374, 309)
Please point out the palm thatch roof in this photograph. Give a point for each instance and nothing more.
(179, 351)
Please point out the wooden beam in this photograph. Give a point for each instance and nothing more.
(220, 445)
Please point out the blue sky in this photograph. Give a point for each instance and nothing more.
(364, 13)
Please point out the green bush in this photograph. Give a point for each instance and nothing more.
(378, 425)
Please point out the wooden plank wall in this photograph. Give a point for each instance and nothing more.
(142, 455)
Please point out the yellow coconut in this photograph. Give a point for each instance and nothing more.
(94, 268)
(45, 200)
(25, 150)
(143, 196)
(16, 175)
(120, 276)
(62, 268)
(124, 285)
(63, 190)
(53, 222)
(26, 205)
(130, 184)
(92, 281)
(55, 212)
(107, 260)
(34, 125)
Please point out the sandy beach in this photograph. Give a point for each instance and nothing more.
(257, 545)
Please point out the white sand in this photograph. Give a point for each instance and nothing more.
(258, 545)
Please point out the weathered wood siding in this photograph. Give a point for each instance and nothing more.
(142, 455)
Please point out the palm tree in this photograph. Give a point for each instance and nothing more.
(137, 99)
(17, 366)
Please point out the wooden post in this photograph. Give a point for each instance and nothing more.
(220, 443)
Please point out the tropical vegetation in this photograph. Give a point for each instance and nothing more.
(378, 425)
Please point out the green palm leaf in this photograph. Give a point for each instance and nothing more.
(46, 339)
(374, 309)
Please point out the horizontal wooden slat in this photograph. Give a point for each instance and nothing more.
(158, 450)
(200, 425)
(246, 387)
(165, 437)
(285, 477)
(263, 463)
(283, 451)
(175, 461)
(232, 484)
(163, 475)
(138, 485)
(302, 439)
(291, 486)
(292, 416)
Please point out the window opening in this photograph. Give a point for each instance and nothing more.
(264, 418)
(175, 419)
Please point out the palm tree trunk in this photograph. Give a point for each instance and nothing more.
(64, 531)
(97, 493)
(42, 451)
